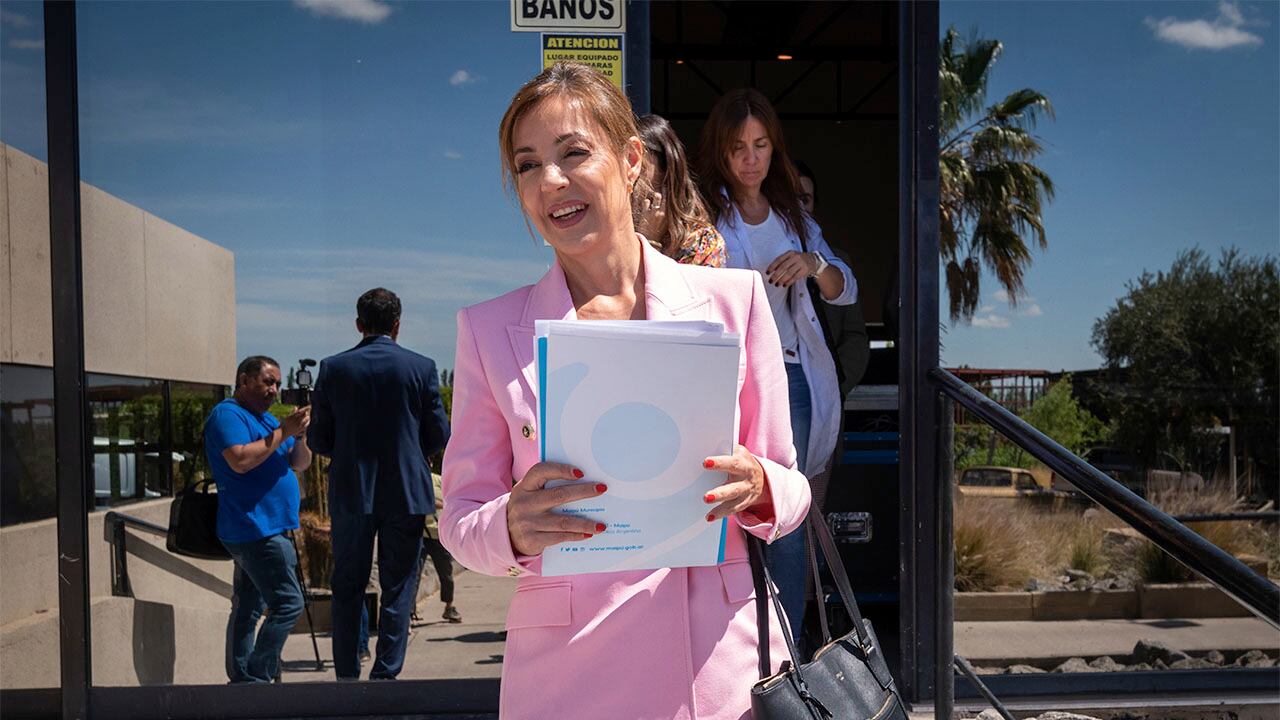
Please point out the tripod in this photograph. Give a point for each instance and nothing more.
(306, 603)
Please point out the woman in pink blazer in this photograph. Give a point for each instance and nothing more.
(669, 643)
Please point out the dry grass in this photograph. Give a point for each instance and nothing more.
(991, 548)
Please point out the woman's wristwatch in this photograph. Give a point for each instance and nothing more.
(822, 264)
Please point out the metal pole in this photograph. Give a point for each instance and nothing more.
(638, 54)
(70, 409)
(945, 677)
(306, 602)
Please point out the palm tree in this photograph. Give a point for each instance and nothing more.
(991, 191)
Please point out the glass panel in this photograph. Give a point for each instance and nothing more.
(28, 531)
(250, 169)
(1139, 330)
(127, 418)
(189, 405)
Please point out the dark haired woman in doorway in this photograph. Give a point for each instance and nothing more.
(667, 207)
(752, 190)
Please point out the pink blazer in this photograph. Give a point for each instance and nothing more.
(671, 643)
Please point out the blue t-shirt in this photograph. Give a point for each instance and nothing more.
(263, 501)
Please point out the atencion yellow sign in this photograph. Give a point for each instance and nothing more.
(600, 51)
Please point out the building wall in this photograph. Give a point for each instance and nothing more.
(158, 301)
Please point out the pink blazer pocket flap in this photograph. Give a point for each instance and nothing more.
(738, 583)
(540, 606)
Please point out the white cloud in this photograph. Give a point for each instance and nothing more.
(1222, 33)
(1001, 295)
(986, 309)
(20, 44)
(370, 12)
(15, 19)
(461, 77)
(1032, 310)
(991, 321)
(453, 154)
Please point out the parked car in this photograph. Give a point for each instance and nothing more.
(1002, 482)
(1167, 475)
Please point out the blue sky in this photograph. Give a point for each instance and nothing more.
(335, 147)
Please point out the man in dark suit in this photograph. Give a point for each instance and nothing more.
(376, 412)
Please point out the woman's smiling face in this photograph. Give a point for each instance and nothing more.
(571, 181)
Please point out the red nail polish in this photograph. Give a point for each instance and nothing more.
(601, 487)
(586, 536)
(577, 473)
(708, 463)
(711, 518)
(599, 527)
(708, 498)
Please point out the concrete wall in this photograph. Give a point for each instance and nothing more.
(180, 606)
(158, 301)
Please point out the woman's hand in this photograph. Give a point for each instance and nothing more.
(530, 522)
(745, 487)
(789, 267)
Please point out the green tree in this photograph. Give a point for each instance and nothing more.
(1057, 414)
(991, 190)
(1193, 348)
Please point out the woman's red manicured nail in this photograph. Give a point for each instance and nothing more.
(586, 536)
(708, 498)
(599, 527)
(601, 487)
(577, 473)
(711, 518)
(708, 463)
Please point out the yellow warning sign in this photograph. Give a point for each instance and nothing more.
(602, 52)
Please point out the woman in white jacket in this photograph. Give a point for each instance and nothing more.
(752, 191)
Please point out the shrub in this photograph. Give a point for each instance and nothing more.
(1085, 549)
(990, 548)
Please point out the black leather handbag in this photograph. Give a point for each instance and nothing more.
(848, 678)
(193, 523)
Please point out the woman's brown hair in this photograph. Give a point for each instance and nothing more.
(781, 184)
(591, 90)
(684, 207)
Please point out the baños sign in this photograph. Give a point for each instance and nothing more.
(570, 15)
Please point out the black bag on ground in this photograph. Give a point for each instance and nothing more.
(193, 523)
(848, 678)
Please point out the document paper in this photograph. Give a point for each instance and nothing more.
(638, 405)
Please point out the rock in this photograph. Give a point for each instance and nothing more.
(1091, 514)
(1215, 657)
(1192, 664)
(1022, 670)
(1254, 658)
(1159, 665)
(1151, 651)
(989, 714)
(1079, 575)
(1060, 715)
(1074, 665)
(1106, 664)
(1135, 668)
(1033, 585)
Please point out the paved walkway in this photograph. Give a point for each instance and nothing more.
(437, 649)
(987, 642)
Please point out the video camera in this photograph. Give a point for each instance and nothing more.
(300, 395)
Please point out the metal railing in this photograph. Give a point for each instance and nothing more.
(114, 524)
(1219, 567)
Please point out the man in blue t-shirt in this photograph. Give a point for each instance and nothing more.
(253, 457)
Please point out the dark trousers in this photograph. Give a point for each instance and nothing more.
(399, 544)
(443, 563)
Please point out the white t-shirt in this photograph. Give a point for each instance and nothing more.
(768, 240)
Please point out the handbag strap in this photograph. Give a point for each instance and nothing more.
(817, 584)
(755, 556)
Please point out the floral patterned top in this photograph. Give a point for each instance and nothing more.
(702, 246)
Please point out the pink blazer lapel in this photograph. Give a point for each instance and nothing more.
(549, 300)
(667, 292)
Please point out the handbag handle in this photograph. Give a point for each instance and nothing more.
(764, 586)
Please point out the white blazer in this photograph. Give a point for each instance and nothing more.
(819, 368)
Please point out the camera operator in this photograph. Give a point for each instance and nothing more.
(253, 456)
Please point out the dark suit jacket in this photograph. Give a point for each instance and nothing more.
(376, 412)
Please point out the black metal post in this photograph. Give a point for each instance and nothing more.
(638, 53)
(944, 682)
(919, 490)
(70, 408)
